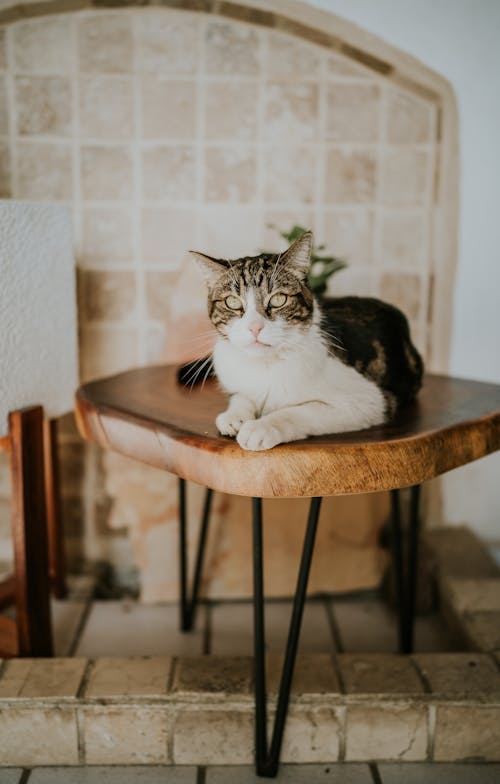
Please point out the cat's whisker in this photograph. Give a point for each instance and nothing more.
(197, 369)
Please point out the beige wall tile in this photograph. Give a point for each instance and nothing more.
(106, 172)
(350, 176)
(106, 296)
(167, 233)
(349, 235)
(409, 119)
(133, 676)
(233, 49)
(105, 43)
(290, 174)
(405, 177)
(230, 174)
(168, 108)
(277, 220)
(4, 116)
(44, 171)
(356, 281)
(106, 351)
(106, 107)
(352, 112)
(5, 187)
(403, 290)
(38, 736)
(387, 731)
(229, 230)
(43, 45)
(169, 173)
(107, 236)
(482, 629)
(465, 732)
(291, 112)
(43, 105)
(379, 673)
(311, 735)
(159, 289)
(291, 59)
(119, 736)
(231, 110)
(214, 737)
(42, 678)
(167, 42)
(403, 240)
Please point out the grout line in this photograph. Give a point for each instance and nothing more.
(140, 320)
(80, 733)
(171, 674)
(334, 628)
(81, 627)
(377, 779)
(422, 677)
(3, 667)
(89, 668)
(207, 630)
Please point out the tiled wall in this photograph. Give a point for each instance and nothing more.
(167, 130)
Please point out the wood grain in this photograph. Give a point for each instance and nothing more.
(148, 415)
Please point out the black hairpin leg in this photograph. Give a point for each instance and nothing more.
(406, 577)
(189, 603)
(267, 757)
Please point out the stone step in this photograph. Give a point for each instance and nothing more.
(200, 711)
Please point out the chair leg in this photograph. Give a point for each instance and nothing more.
(267, 757)
(406, 574)
(29, 528)
(57, 566)
(189, 604)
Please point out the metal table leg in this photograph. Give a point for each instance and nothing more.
(406, 573)
(188, 603)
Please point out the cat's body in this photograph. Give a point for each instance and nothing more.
(294, 366)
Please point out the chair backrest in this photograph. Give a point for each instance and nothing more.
(38, 321)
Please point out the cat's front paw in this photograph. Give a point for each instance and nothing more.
(229, 422)
(257, 435)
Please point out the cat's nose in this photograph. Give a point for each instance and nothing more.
(255, 326)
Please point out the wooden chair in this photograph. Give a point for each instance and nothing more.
(37, 535)
(146, 414)
(38, 375)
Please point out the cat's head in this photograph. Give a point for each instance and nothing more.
(261, 304)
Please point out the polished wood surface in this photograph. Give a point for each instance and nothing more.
(148, 415)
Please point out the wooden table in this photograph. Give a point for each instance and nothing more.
(147, 415)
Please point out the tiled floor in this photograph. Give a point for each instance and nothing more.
(126, 628)
(410, 773)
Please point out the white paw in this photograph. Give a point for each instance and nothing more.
(256, 435)
(229, 422)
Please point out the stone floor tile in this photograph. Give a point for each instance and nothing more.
(213, 675)
(386, 731)
(232, 628)
(458, 552)
(337, 773)
(467, 732)
(482, 629)
(314, 674)
(42, 677)
(312, 735)
(66, 619)
(115, 735)
(370, 626)
(472, 595)
(10, 775)
(379, 673)
(130, 629)
(133, 676)
(439, 773)
(131, 774)
(459, 674)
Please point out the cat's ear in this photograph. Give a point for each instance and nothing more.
(211, 268)
(298, 254)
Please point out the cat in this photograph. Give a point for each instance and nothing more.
(295, 365)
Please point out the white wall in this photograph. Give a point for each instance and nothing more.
(460, 39)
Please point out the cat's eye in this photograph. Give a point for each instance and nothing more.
(277, 300)
(233, 303)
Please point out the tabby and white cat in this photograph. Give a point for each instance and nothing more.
(296, 366)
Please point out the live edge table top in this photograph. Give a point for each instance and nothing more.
(147, 415)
